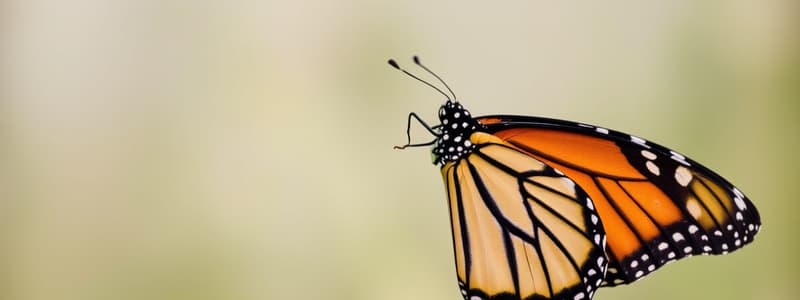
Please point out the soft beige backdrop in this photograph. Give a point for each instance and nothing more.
(243, 149)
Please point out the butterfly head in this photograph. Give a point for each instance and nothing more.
(457, 125)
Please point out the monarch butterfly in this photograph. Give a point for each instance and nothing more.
(552, 209)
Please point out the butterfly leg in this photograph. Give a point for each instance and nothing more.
(408, 132)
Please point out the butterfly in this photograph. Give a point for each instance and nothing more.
(552, 209)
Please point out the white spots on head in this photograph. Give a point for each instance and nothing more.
(651, 166)
(677, 236)
(649, 155)
(663, 246)
(683, 176)
(601, 130)
(441, 111)
(693, 229)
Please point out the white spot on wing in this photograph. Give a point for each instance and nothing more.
(683, 176)
(652, 167)
(663, 246)
(738, 193)
(639, 140)
(679, 158)
(649, 155)
(739, 203)
(601, 130)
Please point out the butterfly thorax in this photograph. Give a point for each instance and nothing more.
(455, 129)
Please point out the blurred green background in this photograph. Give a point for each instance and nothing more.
(243, 149)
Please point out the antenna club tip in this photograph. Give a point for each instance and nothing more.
(393, 64)
(416, 59)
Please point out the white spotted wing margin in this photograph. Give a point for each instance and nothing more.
(521, 229)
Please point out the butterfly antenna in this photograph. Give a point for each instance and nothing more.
(416, 61)
(396, 66)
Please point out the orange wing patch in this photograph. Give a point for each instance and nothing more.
(588, 156)
(655, 207)
(598, 155)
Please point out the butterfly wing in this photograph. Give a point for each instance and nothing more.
(521, 229)
(656, 205)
